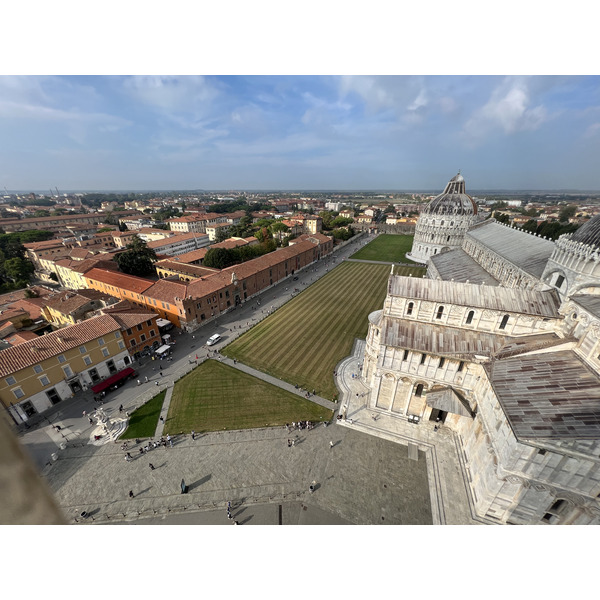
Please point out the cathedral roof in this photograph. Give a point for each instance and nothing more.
(453, 200)
(457, 265)
(548, 396)
(589, 233)
(511, 300)
(524, 250)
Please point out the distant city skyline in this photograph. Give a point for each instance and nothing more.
(92, 133)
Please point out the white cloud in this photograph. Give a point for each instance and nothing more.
(189, 93)
(509, 109)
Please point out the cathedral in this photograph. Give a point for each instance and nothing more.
(500, 343)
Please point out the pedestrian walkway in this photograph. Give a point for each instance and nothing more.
(277, 382)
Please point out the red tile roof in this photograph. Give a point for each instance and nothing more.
(119, 280)
(46, 346)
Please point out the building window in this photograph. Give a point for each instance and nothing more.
(82, 349)
(87, 360)
(405, 356)
(152, 333)
(409, 308)
(105, 352)
(132, 342)
(461, 366)
(419, 390)
(139, 327)
(560, 281)
(117, 334)
(44, 380)
(122, 345)
(148, 323)
(61, 358)
(504, 322)
(470, 317)
(440, 311)
(18, 392)
(423, 357)
(38, 368)
(441, 363)
(68, 371)
(10, 380)
(142, 337)
(101, 341)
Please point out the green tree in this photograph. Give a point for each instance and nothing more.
(17, 270)
(501, 217)
(218, 258)
(221, 235)
(138, 259)
(567, 212)
(530, 226)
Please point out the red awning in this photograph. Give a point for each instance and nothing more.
(112, 379)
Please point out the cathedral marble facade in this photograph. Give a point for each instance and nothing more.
(501, 344)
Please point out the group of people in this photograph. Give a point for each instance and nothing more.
(300, 425)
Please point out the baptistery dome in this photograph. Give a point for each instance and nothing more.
(443, 223)
(453, 200)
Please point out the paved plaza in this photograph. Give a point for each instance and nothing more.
(407, 474)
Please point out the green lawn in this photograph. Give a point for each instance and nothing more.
(143, 421)
(387, 247)
(303, 341)
(214, 397)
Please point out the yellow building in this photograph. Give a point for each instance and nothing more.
(39, 373)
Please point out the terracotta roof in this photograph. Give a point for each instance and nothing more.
(32, 305)
(185, 269)
(80, 253)
(83, 266)
(10, 297)
(130, 319)
(166, 291)
(21, 336)
(192, 256)
(120, 280)
(69, 301)
(35, 351)
(173, 239)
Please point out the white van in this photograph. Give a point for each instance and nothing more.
(213, 339)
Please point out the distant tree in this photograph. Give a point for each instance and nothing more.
(502, 218)
(221, 235)
(138, 259)
(218, 258)
(17, 270)
(41, 213)
(567, 212)
(530, 226)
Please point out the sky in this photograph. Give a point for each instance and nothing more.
(299, 132)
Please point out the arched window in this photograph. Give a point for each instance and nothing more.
(448, 239)
(419, 390)
(504, 322)
(470, 317)
(440, 312)
(442, 222)
(409, 308)
(559, 281)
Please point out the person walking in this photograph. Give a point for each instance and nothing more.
(145, 379)
(193, 435)
(151, 466)
(131, 493)
(331, 444)
(156, 382)
(162, 420)
(139, 382)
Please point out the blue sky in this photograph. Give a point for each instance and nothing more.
(299, 132)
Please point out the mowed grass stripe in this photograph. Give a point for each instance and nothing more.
(304, 340)
(387, 247)
(215, 397)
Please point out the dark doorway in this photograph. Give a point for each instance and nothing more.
(53, 396)
(438, 415)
